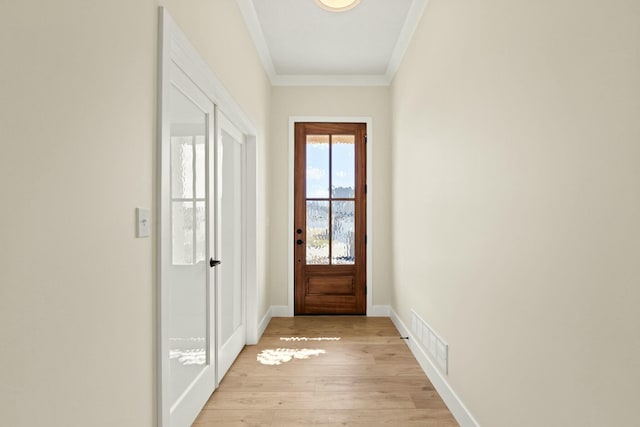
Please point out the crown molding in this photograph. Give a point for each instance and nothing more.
(406, 34)
(255, 31)
(331, 80)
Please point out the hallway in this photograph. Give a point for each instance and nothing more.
(503, 212)
(329, 371)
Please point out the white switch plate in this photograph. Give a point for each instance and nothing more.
(143, 222)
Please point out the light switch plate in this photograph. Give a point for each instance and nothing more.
(143, 222)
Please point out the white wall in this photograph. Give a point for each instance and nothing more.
(77, 120)
(329, 101)
(516, 205)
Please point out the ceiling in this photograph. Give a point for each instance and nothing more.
(301, 44)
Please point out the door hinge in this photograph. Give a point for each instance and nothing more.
(366, 289)
(365, 239)
(365, 139)
(366, 188)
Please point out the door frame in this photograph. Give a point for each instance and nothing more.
(368, 121)
(175, 49)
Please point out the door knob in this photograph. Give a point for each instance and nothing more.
(214, 262)
(299, 242)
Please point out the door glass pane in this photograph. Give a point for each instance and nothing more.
(200, 164)
(187, 276)
(317, 166)
(181, 167)
(343, 166)
(343, 249)
(201, 232)
(317, 232)
(231, 249)
(182, 233)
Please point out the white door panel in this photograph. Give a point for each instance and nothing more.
(231, 310)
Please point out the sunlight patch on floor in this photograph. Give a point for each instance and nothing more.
(310, 339)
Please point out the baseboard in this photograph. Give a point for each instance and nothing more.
(379, 311)
(451, 399)
(374, 311)
(264, 323)
(280, 311)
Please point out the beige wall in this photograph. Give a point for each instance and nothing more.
(77, 123)
(516, 205)
(329, 101)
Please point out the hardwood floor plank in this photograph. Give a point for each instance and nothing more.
(251, 368)
(255, 383)
(407, 384)
(311, 400)
(279, 341)
(428, 400)
(231, 418)
(360, 418)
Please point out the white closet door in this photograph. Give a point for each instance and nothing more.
(231, 289)
(187, 358)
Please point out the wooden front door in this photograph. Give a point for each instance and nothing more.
(330, 218)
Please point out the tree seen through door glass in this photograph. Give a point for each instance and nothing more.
(317, 232)
(343, 249)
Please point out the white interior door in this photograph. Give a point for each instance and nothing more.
(187, 207)
(231, 289)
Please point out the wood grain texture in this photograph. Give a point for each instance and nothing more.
(331, 285)
(367, 377)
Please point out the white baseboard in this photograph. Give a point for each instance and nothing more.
(379, 311)
(451, 399)
(280, 311)
(374, 311)
(263, 324)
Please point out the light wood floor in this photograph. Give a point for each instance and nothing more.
(366, 378)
